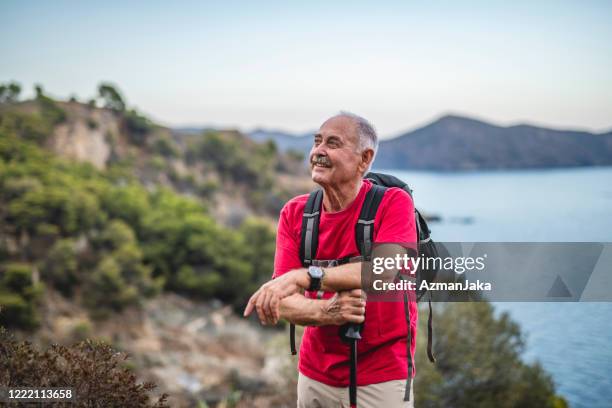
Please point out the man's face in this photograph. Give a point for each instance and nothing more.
(335, 157)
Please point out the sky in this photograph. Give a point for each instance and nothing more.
(290, 65)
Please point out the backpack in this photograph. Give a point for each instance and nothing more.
(364, 232)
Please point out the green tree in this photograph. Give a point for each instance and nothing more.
(19, 296)
(259, 243)
(60, 267)
(50, 110)
(165, 146)
(120, 277)
(479, 362)
(39, 91)
(137, 125)
(111, 96)
(9, 93)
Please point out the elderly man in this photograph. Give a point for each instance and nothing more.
(324, 298)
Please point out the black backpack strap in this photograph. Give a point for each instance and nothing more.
(309, 242)
(364, 236)
(430, 354)
(408, 344)
(364, 230)
(310, 227)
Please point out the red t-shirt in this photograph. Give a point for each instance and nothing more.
(382, 349)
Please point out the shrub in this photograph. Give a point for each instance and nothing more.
(479, 363)
(165, 146)
(50, 110)
(107, 290)
(137, 126)
(19, 296)
(92, 124)
(61, 266)
(33, 127)
(9, 92)
(94, 371)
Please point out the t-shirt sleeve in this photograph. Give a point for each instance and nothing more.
(287, 255)
(396, 222)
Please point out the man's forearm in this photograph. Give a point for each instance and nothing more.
(342, 277)
(301, 310)
(350, 276)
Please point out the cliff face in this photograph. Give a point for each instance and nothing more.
(85, 135)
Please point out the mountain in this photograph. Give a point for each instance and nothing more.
(455, 143)
(459, 143)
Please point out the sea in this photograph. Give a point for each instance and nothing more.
(573, 341)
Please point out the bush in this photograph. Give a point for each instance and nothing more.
(19, 297)
(479, 363)
(94, 371)
(120, 277)
(107, 290)
(9, 92)
(33, 127)
(236, 159)
(50, 110)
(61, 266)
(138, 126)
(92, 124)
(115, 235)
(165, 146)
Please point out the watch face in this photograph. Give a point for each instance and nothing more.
(315, 272)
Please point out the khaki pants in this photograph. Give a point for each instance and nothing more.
(390, 394)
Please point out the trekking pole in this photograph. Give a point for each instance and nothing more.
(352, 334)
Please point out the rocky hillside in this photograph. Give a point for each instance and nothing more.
(237, 176)
(115, 228)
(197, 352)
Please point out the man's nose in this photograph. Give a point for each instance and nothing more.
(319, 150)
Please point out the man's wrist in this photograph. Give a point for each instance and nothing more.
(322, 313)
(301, 278)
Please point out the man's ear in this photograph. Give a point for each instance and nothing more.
(366, 159)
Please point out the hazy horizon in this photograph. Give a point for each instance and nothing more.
(290, 66)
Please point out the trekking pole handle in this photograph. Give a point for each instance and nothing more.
(352, 332)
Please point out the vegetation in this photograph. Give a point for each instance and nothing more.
(240, 161)
(93, 370)
(102, 238)
(19, 296)
(9, 93)
(138, 126)
(35, 127)
(111, 97)
(479, 363)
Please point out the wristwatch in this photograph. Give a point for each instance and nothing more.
(316, 274)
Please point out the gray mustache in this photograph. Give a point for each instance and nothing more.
(322, 160)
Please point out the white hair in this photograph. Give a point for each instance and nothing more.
(368, 139)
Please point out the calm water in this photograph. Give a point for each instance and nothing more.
(573, 341)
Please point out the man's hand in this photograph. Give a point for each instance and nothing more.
(346, 307)
(267, 298)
